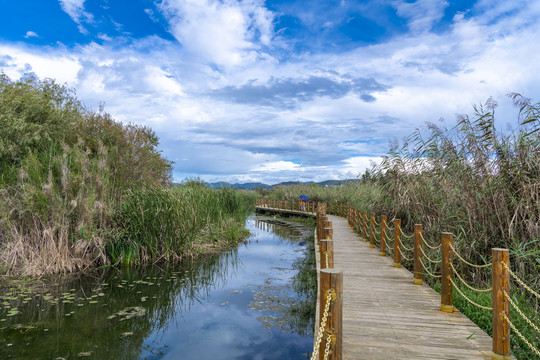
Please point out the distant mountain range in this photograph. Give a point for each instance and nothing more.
(253, 185)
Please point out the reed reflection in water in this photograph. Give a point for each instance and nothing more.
(237, 305)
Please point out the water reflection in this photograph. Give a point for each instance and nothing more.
(239, 305)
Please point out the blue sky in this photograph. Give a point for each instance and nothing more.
(278, 90)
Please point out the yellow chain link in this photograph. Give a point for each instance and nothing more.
(322, 326)
(326, 256)
(520, 335)
(519, 311)
(466, 298)
(468, 263)
(406, 258)
(407, 248)
(427, 257)
(424, 266)
(388, 246)
(465, 283)
(406, 236)
(521, 281)
(428, 245)
(328, 344)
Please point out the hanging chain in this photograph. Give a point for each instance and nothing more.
(466, 298)
(330, 295)
(466, 262)
(427, 257)
(520, 335)
(428, 245)
(424, 266)
(465, 283)
(329, 341)
(520, 312)
(520, 281)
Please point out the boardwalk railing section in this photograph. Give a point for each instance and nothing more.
(429, 258)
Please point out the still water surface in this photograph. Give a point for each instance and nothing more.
(242, 304)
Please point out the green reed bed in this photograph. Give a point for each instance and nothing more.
(169, 224)
(79, 189)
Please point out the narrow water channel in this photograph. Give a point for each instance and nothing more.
(254, 302)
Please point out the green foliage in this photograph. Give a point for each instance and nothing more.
(64, 171)
(160, 223)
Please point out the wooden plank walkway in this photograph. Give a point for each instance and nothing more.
(386, 316)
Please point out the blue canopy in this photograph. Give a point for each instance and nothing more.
(304, 198)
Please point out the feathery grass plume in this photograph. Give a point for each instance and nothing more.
(64, 171)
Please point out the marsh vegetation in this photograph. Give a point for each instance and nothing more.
(79, 189)
(473, 180)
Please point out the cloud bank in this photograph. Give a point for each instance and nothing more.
(234, 97)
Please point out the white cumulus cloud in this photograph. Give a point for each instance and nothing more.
(226, 33)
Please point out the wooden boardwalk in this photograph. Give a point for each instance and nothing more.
(386, 316)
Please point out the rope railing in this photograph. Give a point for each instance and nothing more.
(500, 273)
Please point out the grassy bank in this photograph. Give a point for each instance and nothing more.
(186, 220)
(73, 182)
(472, 180)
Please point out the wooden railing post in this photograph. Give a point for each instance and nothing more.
(328, 232)
(326, 251)
(446, 272)
(417, 255)
(372, 231)
(365, 237)
(318, 227)
(332, 280)
(501, 283)
(382, 247)
(397, 243)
